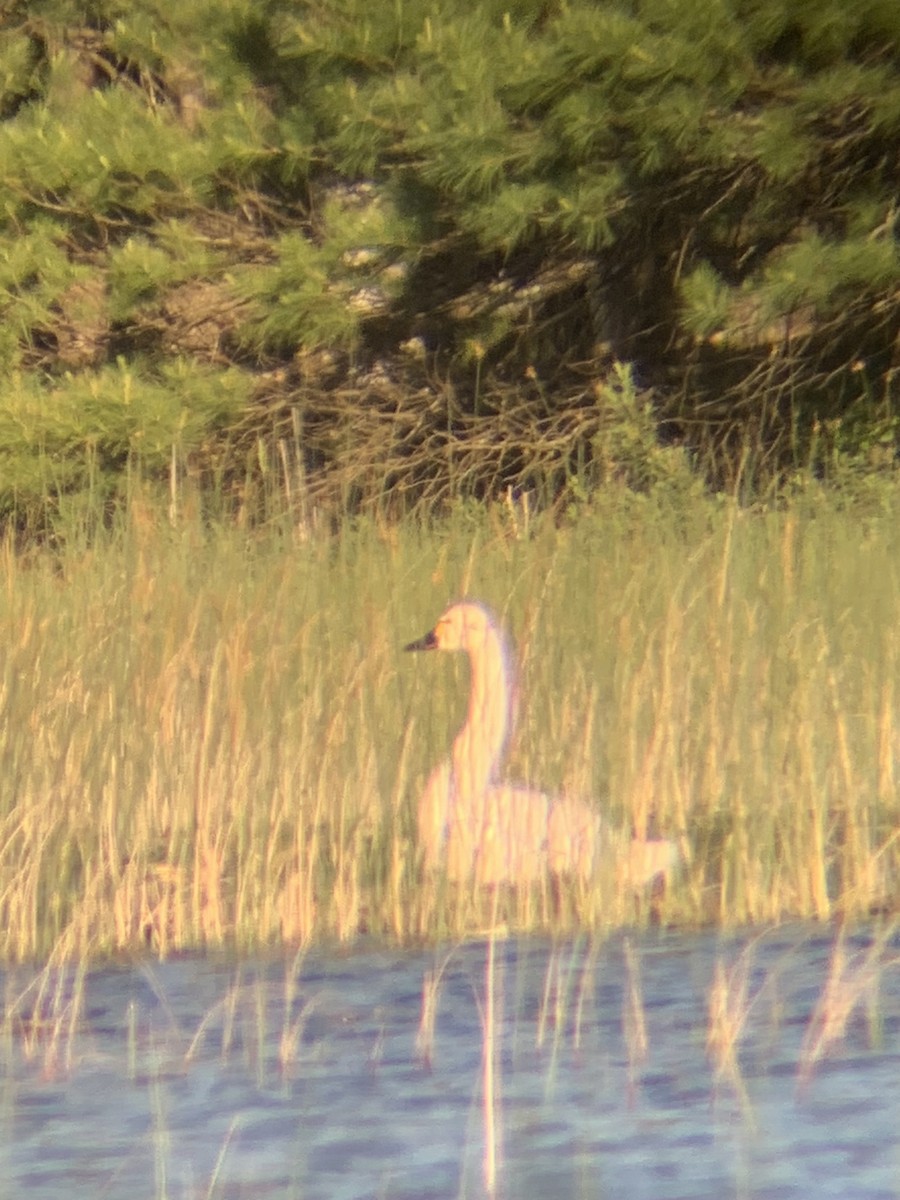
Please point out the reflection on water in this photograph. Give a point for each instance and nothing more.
(676, 1066)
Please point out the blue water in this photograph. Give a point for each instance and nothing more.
(303, 1077)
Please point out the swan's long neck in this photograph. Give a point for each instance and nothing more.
(479, 744)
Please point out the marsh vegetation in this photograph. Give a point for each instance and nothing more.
(210, 735)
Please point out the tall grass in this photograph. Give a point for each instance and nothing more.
(210, 737)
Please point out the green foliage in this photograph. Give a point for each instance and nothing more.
(140, 269)
(291, 301)
(17, 73)
(706, 300)
(825, 273)
(318, 291)
(627, 450)
(113, 154)
(83, 429)
(520, 192)
(35, 271)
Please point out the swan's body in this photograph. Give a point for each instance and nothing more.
(472, 825)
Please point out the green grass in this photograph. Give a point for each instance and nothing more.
(212, 737)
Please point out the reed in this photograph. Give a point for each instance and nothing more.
(210, 736)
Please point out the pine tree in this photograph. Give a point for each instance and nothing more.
(503, 196)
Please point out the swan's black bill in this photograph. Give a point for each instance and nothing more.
(428, 642)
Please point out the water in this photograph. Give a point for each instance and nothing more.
(278, 1079)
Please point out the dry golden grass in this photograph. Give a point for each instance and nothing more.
(210, 737)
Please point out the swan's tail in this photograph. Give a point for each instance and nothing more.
(648, 860)
(577, 842)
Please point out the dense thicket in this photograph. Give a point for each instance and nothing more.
(414, 237)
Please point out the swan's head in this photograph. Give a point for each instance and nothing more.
(463, 626)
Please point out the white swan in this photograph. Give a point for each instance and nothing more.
(471, 824)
